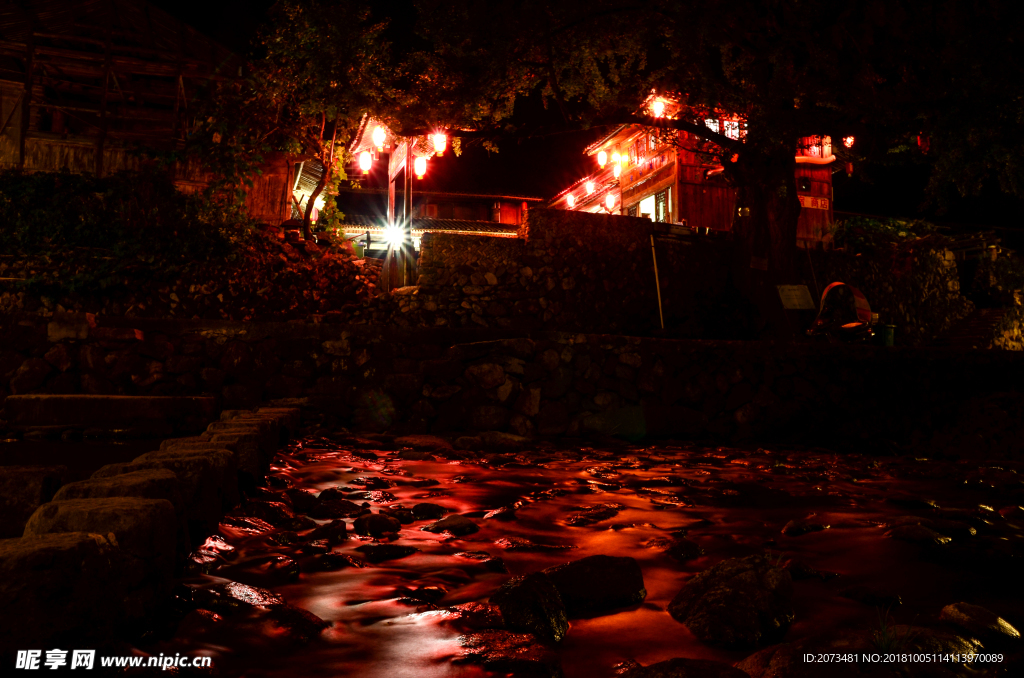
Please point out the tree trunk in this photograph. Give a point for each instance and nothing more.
(324, 178)
(765, 233)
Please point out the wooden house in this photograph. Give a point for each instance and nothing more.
(86, 83)
(666, 178)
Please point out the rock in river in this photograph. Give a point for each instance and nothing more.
(378, 553)
(979, 622)
(531, 603)
(598, 584)
(685, 668)
(739, 603)
(376, 525)
(514, 654)
(456, 525)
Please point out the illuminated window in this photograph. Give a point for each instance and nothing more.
(732, 128)
(712, 124)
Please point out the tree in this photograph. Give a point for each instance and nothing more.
(887, 73)
(321, 66)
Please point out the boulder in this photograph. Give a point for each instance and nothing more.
(512, 654)
(598, 584)
(428, 511)
(423, 443)
(737, 604)
(979, 622)
(496, 441)
(379, 553)
(376, 525)
(456, 525)
(532, 604)
(331, 504)
(59, 588)
(23, 489)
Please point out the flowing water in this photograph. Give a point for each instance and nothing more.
(730, 502)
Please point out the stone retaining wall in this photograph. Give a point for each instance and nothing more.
(526, 383)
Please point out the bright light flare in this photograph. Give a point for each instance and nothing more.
(658, 108)
(440, 143)
(570, 200)
(365, 161)
(394, 236)
(602, 159)
(590, 187)
(419, 166)
(848, 142)
(616, 158)
(609, 202)
(379, 137)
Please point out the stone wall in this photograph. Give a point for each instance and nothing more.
(526, 383)
(571, 271)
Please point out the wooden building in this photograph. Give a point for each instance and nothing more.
(646, 174)
(84, 84)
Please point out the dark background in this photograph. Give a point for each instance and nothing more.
(544, 166)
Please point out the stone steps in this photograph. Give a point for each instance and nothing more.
(115, 537)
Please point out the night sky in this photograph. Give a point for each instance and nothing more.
(544, 166)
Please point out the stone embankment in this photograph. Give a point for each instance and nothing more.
(97, 557)
(526, 384)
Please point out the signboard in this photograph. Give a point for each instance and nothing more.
(397, 160)
(813, 202)
(796, 298)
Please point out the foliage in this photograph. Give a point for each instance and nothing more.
(128, 213)
(1005, 274)
(888, 637)
(911, 80)
(322, 66)
(102, 227)
(865, 233)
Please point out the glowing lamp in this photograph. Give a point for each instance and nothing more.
(617, 170)
(365, 161)
(379, 137)
(658, 108)
(609, 202)
(394, 235)
(602, 159)
(440, 143)
(419, 166)
(590, 187)
(570, 200)
(848, 142)
(616, 158)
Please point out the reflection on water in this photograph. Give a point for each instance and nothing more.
(386, 620)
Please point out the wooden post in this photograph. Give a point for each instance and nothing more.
(408, 253)
(101, 142)
(26, 101)
(657, 283)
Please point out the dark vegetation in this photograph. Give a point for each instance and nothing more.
(132, 244)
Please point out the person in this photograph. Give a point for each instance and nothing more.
(844, 315)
